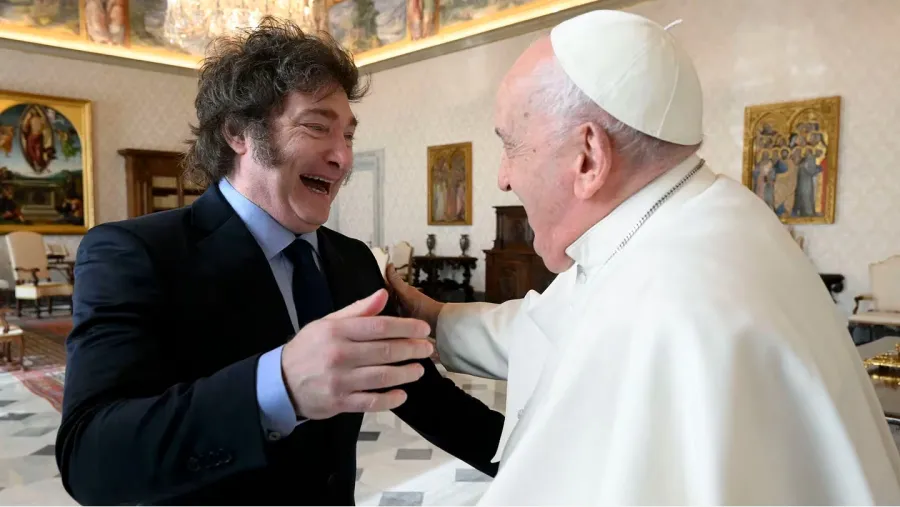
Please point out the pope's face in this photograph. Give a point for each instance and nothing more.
(295, 173)
(531, 163)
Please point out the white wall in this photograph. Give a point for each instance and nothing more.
(746, 52)
(131, 109)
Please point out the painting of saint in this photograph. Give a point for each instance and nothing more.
(790, 158)
(42, 165)
(450, 184)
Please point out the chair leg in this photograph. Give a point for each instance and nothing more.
(50, 306)
(37, 307)
(19, 308)
(21, 352)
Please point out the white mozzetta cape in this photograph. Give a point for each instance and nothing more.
(704, 364)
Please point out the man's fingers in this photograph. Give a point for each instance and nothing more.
(373, 402)
(370, 378)
(389, 351)
(372, 305)
(378, 328)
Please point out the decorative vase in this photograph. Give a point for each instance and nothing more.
(464, 244)
(430, 242)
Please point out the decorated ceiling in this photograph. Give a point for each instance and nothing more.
(176, 32)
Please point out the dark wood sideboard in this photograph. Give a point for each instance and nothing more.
(155, 181)
(512, 266)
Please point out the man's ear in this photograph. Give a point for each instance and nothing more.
(236, 139)
(594, 162)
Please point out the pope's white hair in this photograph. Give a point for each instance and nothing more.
(556, 95)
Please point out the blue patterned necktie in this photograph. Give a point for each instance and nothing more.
(312, 297)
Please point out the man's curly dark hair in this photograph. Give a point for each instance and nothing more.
(244, 81)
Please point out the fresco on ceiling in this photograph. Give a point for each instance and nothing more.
(374, 30)
(60, 17)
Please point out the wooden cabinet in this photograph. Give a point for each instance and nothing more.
(155, 181)
(512, 266)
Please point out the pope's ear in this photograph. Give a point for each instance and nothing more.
(594, 162)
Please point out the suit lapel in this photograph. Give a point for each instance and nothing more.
(231, 264)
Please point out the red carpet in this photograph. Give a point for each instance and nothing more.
(45, 357)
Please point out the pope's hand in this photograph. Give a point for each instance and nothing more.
(413, 302)
(334, 364)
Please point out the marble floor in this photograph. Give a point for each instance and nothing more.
(396, 466)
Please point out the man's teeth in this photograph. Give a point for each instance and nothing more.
(314, 188)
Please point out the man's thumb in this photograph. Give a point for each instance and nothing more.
(368, 307)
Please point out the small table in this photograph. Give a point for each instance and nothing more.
(434, 286)
(14, 335)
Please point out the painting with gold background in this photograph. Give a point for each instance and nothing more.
(177, 32)
(450, 184)
(790, 158)
(45, 164)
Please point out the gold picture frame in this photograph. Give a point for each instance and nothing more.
(790, 157)
(46, 166)
(424, 35)
(449, 184)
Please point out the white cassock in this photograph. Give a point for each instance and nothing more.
(705, 363)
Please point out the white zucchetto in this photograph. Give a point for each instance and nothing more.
(633, 69)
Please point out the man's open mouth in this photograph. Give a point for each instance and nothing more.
(317, 184)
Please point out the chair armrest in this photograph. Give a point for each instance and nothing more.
(859, 299)
(33, 271)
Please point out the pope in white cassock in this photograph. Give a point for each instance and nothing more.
(688, 352)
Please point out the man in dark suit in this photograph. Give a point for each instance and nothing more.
(224, 353)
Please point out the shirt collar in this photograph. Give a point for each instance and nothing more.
(595, 246)
(271, 235)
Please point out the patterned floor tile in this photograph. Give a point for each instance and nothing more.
(416, 454)
(368, 436)
(34, 431)
(47, 450)
(471, 475)
(359, 472)
(15, 416)
(4, 403)
(402, 498)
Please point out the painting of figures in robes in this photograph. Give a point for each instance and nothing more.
(45, 164)
(450, 184)
(790, 158)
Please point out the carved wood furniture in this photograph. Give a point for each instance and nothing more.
(513, 267)
(436, 287)
(155, 182)
(12, 335)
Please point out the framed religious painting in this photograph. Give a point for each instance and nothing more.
(791, 158)
(450, 184)
(46, 176)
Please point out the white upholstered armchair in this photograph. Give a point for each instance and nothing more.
(884, 300)
(28, 256)
(401, 258)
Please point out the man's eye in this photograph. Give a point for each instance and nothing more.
(317, 127)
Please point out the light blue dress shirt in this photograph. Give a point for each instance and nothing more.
(276, 410)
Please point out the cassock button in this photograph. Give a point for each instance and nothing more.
(274, 436)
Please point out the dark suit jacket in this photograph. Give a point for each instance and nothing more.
(171, 313)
